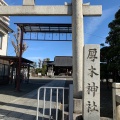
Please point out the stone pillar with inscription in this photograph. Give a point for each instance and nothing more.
(91, 85)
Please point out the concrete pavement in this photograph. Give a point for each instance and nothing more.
(24, 108)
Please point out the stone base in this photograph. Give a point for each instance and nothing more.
(77, 110)
(77, 116)
(105, 118)
(77, 106)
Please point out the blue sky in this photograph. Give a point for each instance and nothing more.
(95, 29)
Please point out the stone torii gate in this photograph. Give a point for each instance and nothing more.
(77, 10)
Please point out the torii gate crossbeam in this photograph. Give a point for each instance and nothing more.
(48, 10)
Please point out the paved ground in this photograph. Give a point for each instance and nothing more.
(22, 105)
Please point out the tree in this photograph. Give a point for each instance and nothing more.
(44, 69)
(105, 60)
(18, 54)
(16, 43)
(44, 66)
(38, 70)
(114, 41)
(46, 59)
(111, 54)
(39, 63)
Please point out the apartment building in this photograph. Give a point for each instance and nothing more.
(4, 30)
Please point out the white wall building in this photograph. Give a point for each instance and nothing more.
(4, 30)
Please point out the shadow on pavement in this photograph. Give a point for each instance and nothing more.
(7, 94)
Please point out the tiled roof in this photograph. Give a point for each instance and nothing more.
(15, 58)
(48, 62)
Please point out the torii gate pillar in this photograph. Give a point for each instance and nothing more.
(78, 42)
(77, 45)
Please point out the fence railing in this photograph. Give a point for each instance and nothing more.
(50, 102)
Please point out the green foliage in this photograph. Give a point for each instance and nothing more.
(103, 68)
(44, 70)
(38, 70)
(110, 55)
(44, 66)
(114, 35)
(46, 59)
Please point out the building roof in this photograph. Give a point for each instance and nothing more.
(65, 61)
(46, 31)
(48, 63)
(15, 59)
(46, 27)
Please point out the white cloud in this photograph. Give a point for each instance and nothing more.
(94, 22)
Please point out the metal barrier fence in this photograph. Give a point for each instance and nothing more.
(50, 100)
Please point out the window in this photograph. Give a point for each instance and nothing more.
(0, 42)
(1, 69)
(6, 69)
